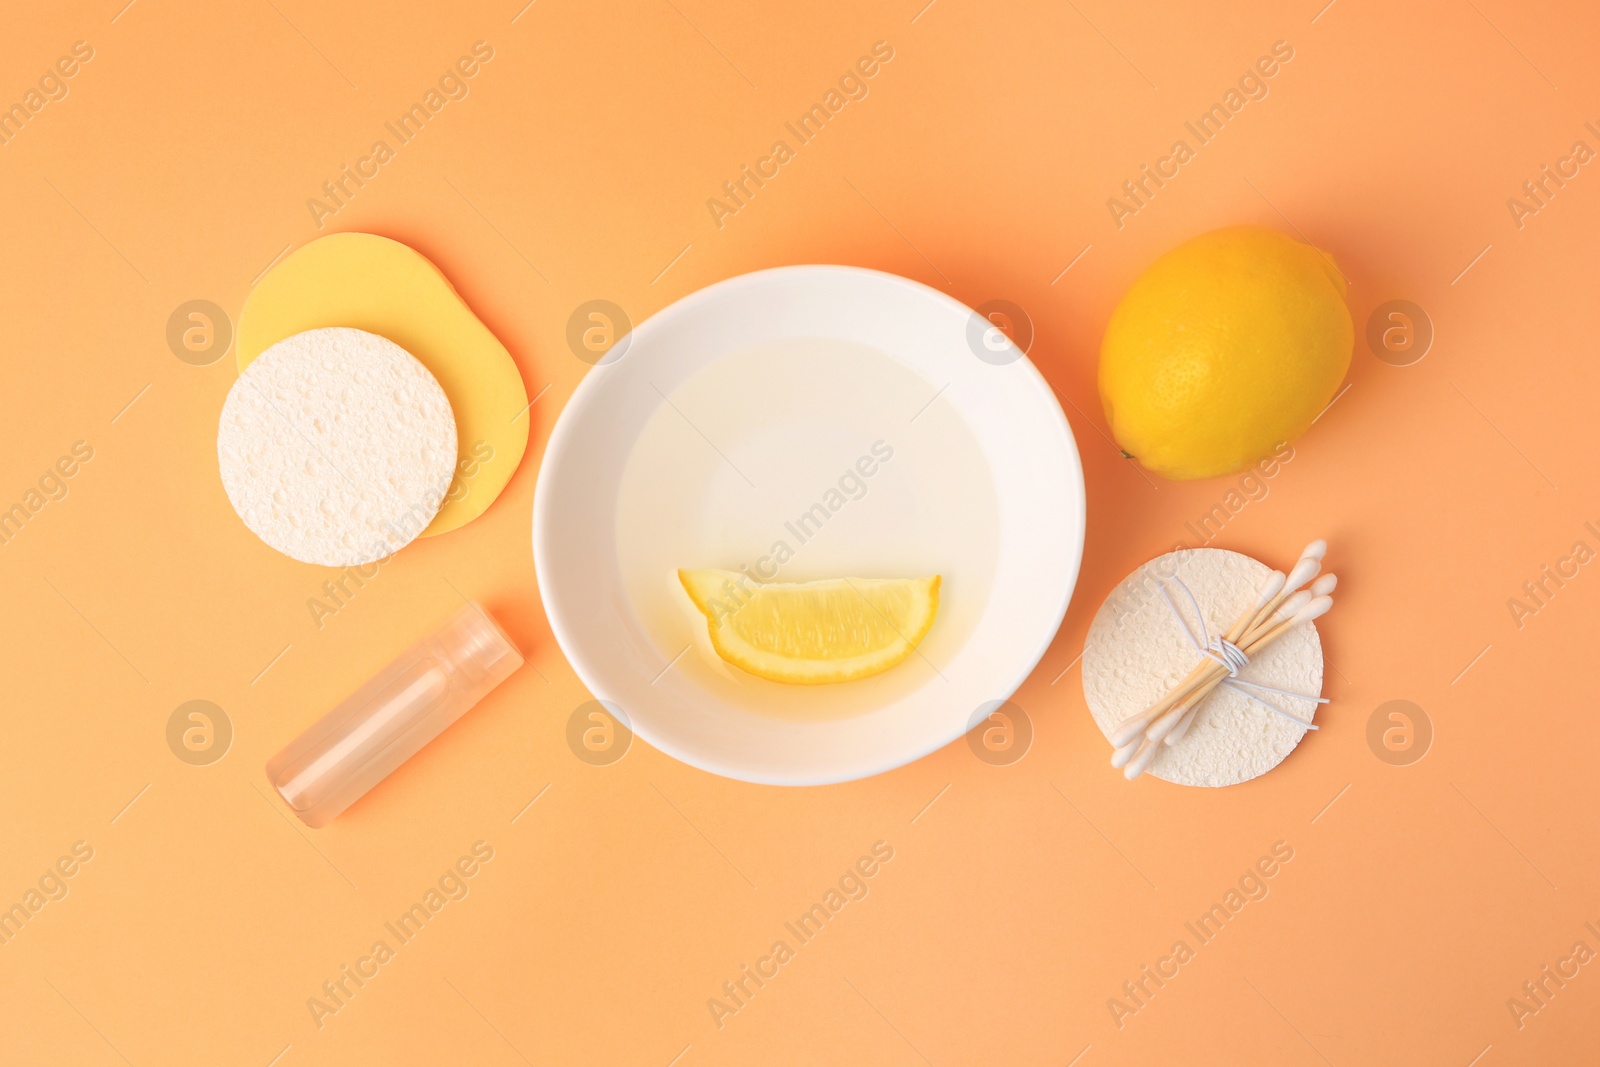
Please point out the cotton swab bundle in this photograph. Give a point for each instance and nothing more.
(1323, 586)
(1268, 600)
(1281, 604)
(1264, 635)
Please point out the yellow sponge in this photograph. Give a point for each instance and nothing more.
(384, 287)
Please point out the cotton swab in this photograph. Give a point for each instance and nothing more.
(1305, 569)
(1316, 608)
(1140, 761)
(1183, 724)
(1269, 592)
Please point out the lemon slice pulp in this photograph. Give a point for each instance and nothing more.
(811, 633)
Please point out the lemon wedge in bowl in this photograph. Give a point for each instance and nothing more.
(813, 633)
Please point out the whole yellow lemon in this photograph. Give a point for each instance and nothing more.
(1227, 347)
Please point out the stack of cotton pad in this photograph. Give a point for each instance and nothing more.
(1136, 652)
(336, 446)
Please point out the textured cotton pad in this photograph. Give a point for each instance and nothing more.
(390, 289)
(1136, 652)
(336, 446)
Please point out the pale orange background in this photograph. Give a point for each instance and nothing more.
(1021, 900)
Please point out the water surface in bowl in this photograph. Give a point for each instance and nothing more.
(801, 459)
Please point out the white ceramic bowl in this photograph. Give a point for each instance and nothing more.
(808, 422)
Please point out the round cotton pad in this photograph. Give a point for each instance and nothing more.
(1136, 652)
(336, 446)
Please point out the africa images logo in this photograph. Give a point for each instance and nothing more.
(852, 885)
(852, 86)
(1252, 85)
